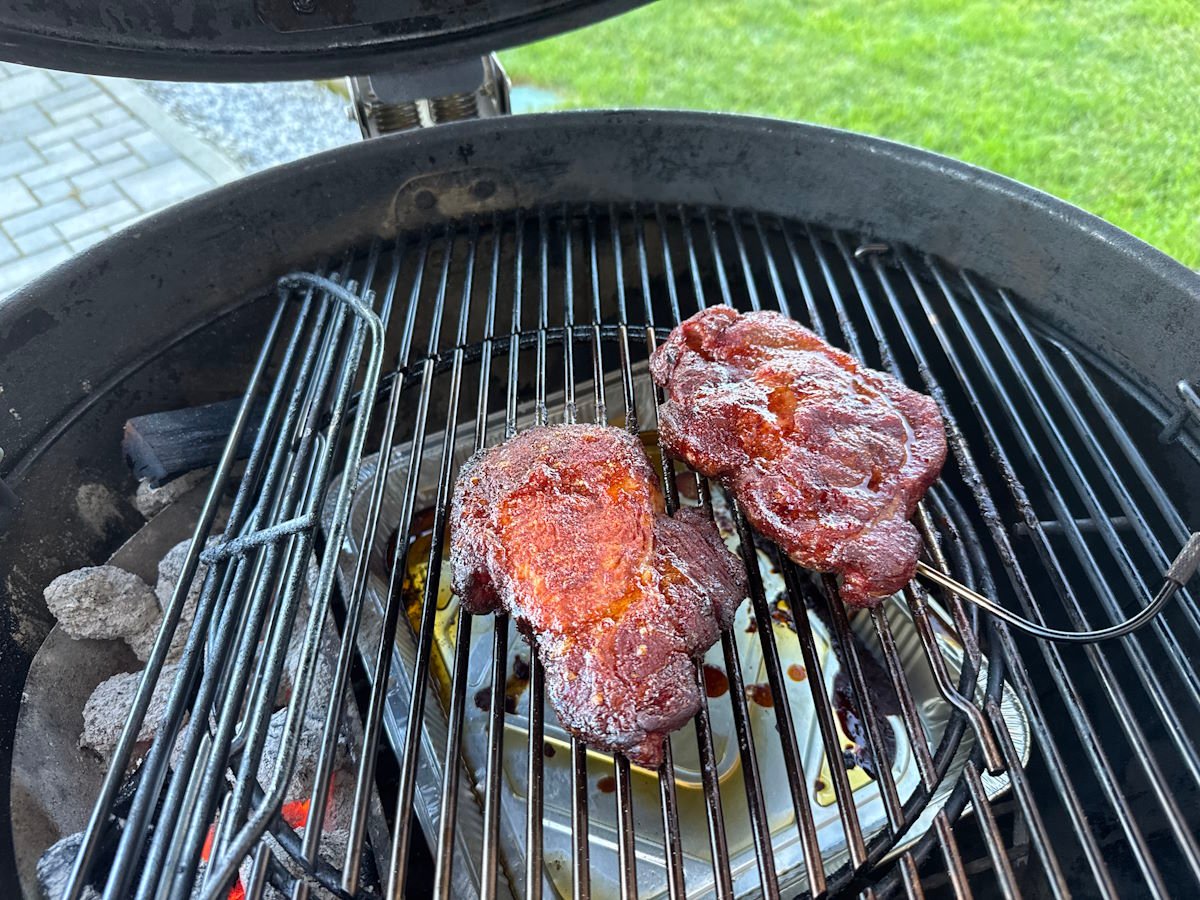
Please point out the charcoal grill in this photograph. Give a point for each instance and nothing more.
(390, 301)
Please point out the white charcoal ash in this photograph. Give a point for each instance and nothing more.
(105, 603)
(105, 712)
(326, 656)
(54, 868)
(150, 501)
(169, 569)
(309, 741)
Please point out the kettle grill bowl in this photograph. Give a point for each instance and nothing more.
(147, 301)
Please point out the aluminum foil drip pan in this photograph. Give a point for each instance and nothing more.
(934, 712)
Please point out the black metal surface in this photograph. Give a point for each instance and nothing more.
(273, 40)
(1016, 393)
(572, 267)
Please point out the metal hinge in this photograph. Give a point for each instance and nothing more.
(1190, 407)
(420, 98)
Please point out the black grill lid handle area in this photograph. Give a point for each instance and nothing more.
(270, 40)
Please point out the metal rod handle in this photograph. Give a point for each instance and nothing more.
(1182, 568)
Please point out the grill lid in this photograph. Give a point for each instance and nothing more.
(260, 40)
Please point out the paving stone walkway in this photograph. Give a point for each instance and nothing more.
(81, 157)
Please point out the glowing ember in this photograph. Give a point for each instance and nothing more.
(237, 892)
(295, 813)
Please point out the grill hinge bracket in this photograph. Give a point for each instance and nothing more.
(1190, 407)
(385, 103)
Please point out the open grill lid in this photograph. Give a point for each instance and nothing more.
(260, 40)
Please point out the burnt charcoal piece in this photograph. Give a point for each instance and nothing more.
(105, 712)
(563, 526)
(159, 446)
(54, 869)
(105, 602)
(828, 458)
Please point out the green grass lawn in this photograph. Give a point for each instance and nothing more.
(1097, 101)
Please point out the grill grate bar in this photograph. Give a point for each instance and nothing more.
(491, 811)
(986, 820)
(793, 765)
(718, 847)
(912, 881)
(534, 781)
(535, 775)
(402, 833)
(401, 838)
(847, 810)
(333, 719)
(458, 691)
(759, 825)
(848, 654)
(581, 874)
(495, 743)
(908, 707)
(1032, 816)
(458, 694)
(668, 802)
(373, 722)
(627, 857)
(670, 821)
(1100, 762)
(952, 856)
(1109, 680)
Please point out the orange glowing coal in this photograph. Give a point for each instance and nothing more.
(294, 813)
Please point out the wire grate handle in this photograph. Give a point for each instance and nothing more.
(1181, 570)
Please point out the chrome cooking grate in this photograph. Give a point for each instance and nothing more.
(548, 315)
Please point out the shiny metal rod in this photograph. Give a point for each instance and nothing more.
(1177, 575)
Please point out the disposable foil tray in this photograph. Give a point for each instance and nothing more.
(933, 709)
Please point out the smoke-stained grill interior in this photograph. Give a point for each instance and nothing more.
(1057, 499)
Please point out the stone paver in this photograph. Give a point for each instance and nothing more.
(81, 157)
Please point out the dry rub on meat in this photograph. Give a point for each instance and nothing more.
(827, 457)
(563, 527)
